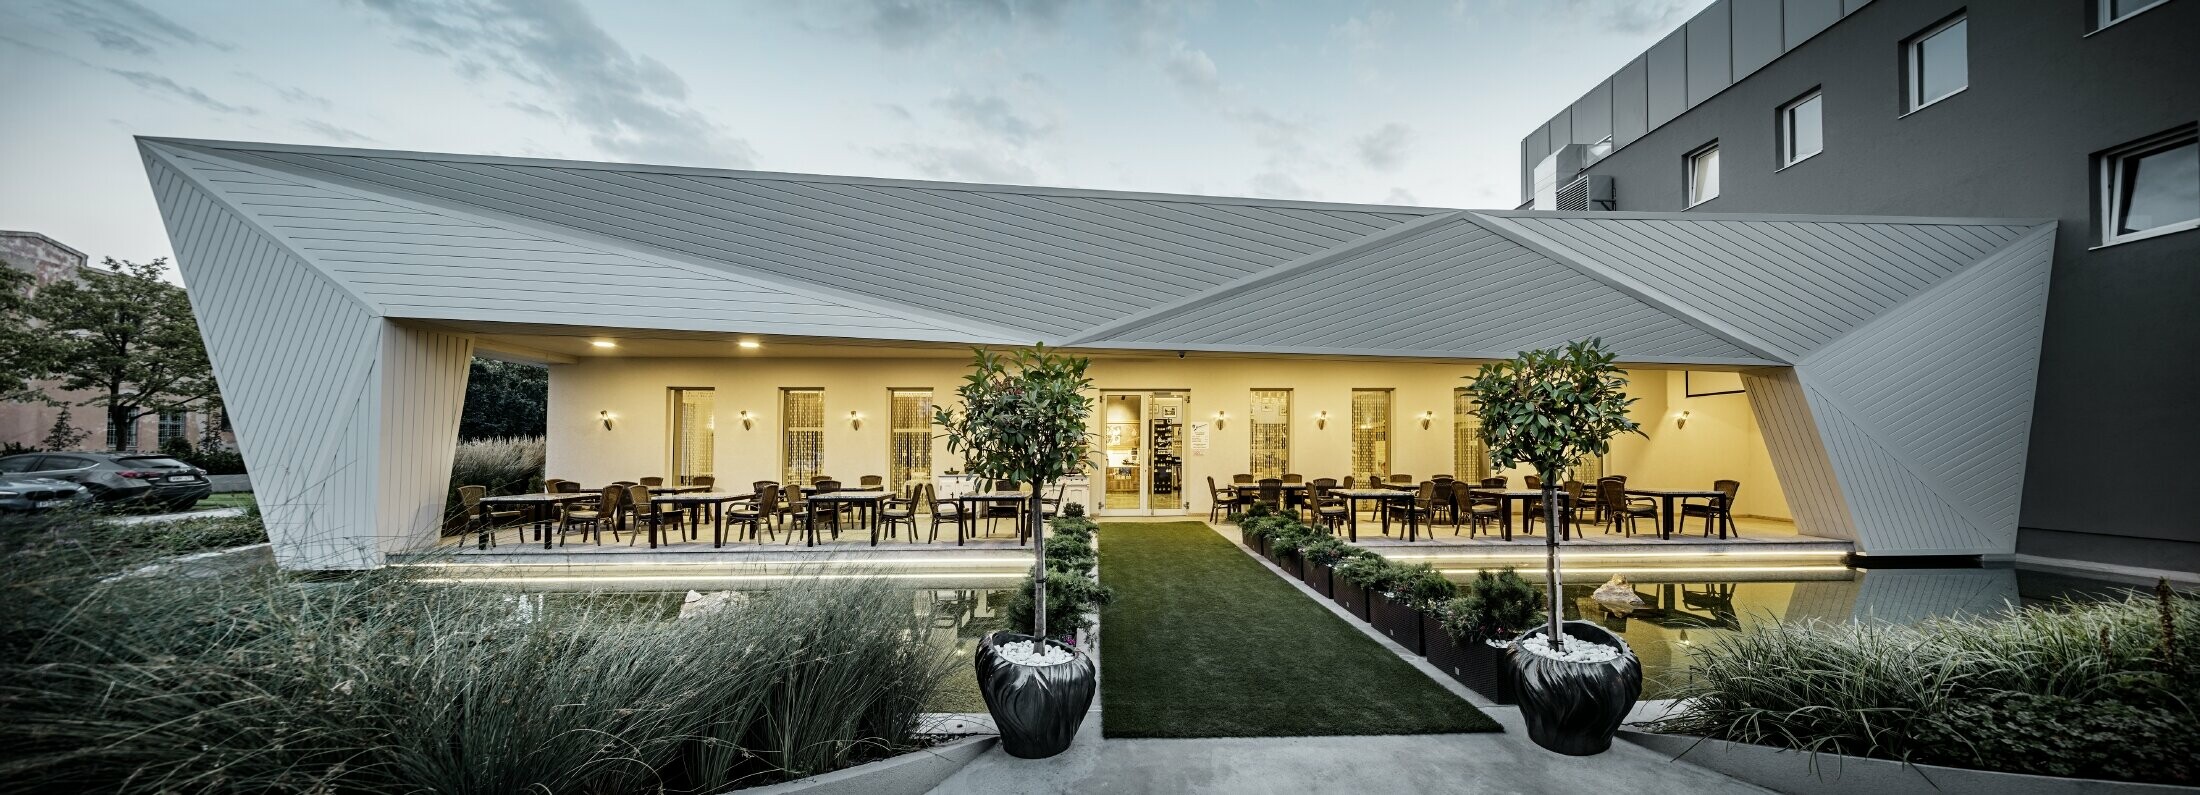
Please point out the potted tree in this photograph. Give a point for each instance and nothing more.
(1024, 418)
(1548, 409)
(1469, 635)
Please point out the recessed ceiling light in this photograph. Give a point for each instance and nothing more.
(603, 343)
(750, 344)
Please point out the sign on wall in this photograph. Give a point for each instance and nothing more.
(1197, 439)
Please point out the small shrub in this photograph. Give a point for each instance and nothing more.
(1490, 607)
(1070, 597)
(1423, 587)
(1073, 510)
(1368, 570)
(1325, 550)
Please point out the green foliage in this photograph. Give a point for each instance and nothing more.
(504, 400)
(1496, 606)
(1371, 571)
(2093, 690)
(1549, 408)
(257, 682)
(64, 435)
(215, 460)
(1070, 597)
(1423, 587)
(1324, 550)
(1073, 509)
(1023, 416)
(124, 335)
(18, 354)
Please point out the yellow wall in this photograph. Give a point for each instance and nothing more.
(1720, 441)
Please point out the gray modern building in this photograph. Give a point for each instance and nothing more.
(2082, 111)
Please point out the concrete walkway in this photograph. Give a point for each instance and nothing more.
(1488, 762)
(210, 513)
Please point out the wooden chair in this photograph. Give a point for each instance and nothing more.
(640, 508)
(754, 512)
(1618, 507)
(1720, 508)
(901, 510)
(482, 517)
(593, 517)
(1223, 501)
(942, 511)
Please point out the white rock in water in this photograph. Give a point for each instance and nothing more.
(1021, 652)
(1617, 595)
(1576, 651)
(698, 603)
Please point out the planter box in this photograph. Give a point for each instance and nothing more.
(1398, 622)
(1473, 663)
(1291, 563)
(1315, 575)
(1784, 770)
(1351, 597)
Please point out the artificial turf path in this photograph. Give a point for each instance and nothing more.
(1203, 641)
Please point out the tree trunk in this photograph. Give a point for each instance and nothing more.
(1550, 543)
(1039, 554)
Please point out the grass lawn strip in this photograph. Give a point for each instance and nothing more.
(1203, 641)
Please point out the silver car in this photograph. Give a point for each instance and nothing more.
(24, 495)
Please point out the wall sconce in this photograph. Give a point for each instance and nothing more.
(1321, 420)
(1682, 421)
(606, 417)
(1221, 418)
(1426, 417)
(747, 420)
(855, 420)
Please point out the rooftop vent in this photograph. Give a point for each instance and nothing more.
(1591, 192)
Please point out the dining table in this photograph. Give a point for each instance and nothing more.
(694, 504)
(966, 509)
(1666, 511)
(1382, 497)
(865, 500)
(540, 507)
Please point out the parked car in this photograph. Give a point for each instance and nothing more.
(24, 495)
(118, 478)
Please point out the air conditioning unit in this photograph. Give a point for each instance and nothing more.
(1555, 171)
(1592, 192)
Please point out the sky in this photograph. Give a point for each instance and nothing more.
(1402, 102)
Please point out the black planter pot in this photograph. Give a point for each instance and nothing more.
(1037, 709)
(1315, 575)
(1291, 563)
(1349, 596)
(1478, 665)
(1575, 708)
(1396, 620)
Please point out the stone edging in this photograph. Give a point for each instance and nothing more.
(912, 773)
(1799, 773)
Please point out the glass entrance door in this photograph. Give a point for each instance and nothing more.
(1144, 446)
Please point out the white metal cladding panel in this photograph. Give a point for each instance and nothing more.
(1453, 288)
(1947, 378)
(423, 388)
(1043, 262)
(1789, 285)
(1906, 596)
(1798, 453)
(294, 354)
(1896, 509)
(414, 263)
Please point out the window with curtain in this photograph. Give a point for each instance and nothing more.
(1370, 433)
(1470, 458)
(1271, 416)
(694, 433)
(909, 438)
(802, 441)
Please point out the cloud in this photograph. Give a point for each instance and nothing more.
(126, 26)
(1385, 148)
(1633, 16)
(1191, 69)
(992, 114)
(1401, 196)
(964, 163)
(342, 135)
(909, 24)
(631, 105)
(1365, 34)
(162, 85)
(1276, 185)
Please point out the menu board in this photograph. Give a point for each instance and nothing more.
(1197, 438)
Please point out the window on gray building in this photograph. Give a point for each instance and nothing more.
(1936, 64)
(1802, 129)
(1703, 174)
(2110, 12)
(2150, 187)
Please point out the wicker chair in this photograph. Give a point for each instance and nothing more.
(1242, 480)
(550, 485)
(870, 482)
(754, 511)
(1620, 508)
(1224, 501)
(652, 482)
(482, 517)
(942, 510)
(1423, 506)
(1293, 477)
(641, 508)
(706, 481)
(1400, 479)
(593, 518)
(901, 510)
(1719, 509)
(1270, 493)
(1328, 510)
(1477, 509)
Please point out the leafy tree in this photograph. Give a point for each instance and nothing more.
(504, 400)
(18, 354)
(127, 337)
(64, 435)
(1547, 409)
(1024, 419)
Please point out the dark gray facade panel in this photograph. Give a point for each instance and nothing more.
(1592, 114)
(1668, 75)
(1527, 166)
(1757, 37)
(1806, 18)
(1851, 6)
(1710, 52)
(1631, 101)
(1560, 131)
(2043, 98)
